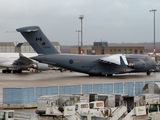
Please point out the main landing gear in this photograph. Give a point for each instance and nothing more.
(6, 71)
(109, 75)
(148, 72)
(13, 71)
(101, 74)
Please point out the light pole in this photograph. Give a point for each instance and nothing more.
(78, 41)
(154, 34)
(81, 17)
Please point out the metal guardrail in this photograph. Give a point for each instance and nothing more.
(30, 95)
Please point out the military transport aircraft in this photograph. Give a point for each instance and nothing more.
(94, 65)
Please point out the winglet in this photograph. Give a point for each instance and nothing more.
(28, 29)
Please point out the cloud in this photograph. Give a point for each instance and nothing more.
(111, 20)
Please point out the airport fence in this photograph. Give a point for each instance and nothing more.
(31, 94)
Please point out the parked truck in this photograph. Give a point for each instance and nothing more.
(151, 111)
(7, 115)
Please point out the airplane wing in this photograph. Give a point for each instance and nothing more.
(22, 60)
(118, 59)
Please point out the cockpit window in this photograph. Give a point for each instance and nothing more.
(154, 108)
(2, 115)
(100, 104)
(91, 105)
(10, 115)
(84, 106)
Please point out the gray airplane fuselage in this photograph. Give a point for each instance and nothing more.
(90, 64)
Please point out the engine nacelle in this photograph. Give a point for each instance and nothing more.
(140, 64)
(41, 66)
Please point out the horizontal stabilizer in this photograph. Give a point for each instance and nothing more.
(22, 60)
(118, 59)
(28, 29)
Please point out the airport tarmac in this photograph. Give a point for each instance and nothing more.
(48, 78)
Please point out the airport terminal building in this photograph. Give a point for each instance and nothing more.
(7, 47)
(26, 48)
(97, 48)
(103, 48)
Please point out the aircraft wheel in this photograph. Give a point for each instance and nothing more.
(96, 75)
(109, 75)
(9, 71)
(14, 71)
(92, 75)
(148, 73)
(100, 74)
(19, 71)
(4, 71)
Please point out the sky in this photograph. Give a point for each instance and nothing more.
(113, 21)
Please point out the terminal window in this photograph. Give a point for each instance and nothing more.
(135, 51)
(119, 50)
(141, 51)
(114, 50)
(130, 51)
(125, 51)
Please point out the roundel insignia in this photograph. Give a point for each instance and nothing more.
(71, 61)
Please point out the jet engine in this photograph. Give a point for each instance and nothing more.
(40, 66)
(139, 64)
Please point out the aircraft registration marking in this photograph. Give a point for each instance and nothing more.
(76, 61)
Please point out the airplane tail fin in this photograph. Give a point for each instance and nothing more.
(37, 39)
